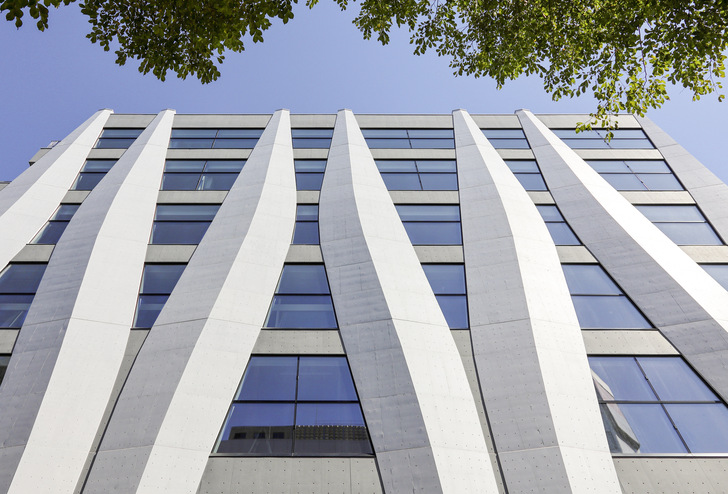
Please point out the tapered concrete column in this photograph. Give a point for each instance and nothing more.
(648, 266)
(707, 189)
(177, 395)
(28, 202)
(547, 431)
(413, 389)
(81, 314)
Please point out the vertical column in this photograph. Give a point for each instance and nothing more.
(526, 338)
(645, 263)
(413, 388)
(28, 202)
(70, 348)
(177, 395)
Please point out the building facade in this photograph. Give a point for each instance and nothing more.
(363, 304)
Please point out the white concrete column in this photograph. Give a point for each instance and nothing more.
(547, 430)
(413, 388)
(177, 395)
(647, 265)
(30, 200)
(70, 348)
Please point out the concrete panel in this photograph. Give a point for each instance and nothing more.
(706, 253)
(515, 154)
(190, 366)
(574, 254)
(75, 196)
(672, 475)
(413, 154)
(540, 197)
(561, 121)
(424, 196)
(81, 313)
(618, 154)
(38, 155)
(413, 388)
(307, 197)
(28, 202)
(106, 154)
(191, 196)
(208, 154)
(7, 340)
(310, 154)
(34, 253)
(304, 253)
(439, 253)
(496, 121)
(625, 342)
(169, 253)
(657, 197)
(122, 120)
(403, 121)
(312, 121)
(290, 476)
(649, 267)
(526, 338)
(299, 342)
(201, 121)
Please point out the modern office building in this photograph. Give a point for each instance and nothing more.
(363, 304)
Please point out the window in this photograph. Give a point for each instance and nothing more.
(719, 272)
(312, 138)
(409, 138)
(306, 231)
(117, 138)
(91, 174)
(599, 302)
(636, 174)
(527, 173)
(182, 223)
(4, 362)
(55, 227)
(18, 284)
(158, 281)
(506, 138)
(419, 174)
(201, 174)
(309, 174)
(684, 225)
(448, 285)
(214, 138)
(560, 232)
(431, 224)
(658, 405)
(302, 299)
(295, 406)
(595, 139)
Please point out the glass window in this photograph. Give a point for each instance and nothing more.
(596, 139)
(598, 301)
(636, 174)
(448, 285)
(52, 231)
(309, 174)
(91, 174)
(201, 175)
(300, 406)
(4, 362)
(302, 299)
(419, 174)
(306, 231)
(18, 284)
(158, 281)
(527, 173)
(658, 405)
(506, 138)
(182, 223)
(431, 224)
(117, 138)
(719, 272)
(560, 232)
(214, 138)
(683, 224)
(409, 138)
(312, 138)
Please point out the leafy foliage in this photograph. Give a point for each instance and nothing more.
(624, 52)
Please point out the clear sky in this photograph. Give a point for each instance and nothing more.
(318, 63)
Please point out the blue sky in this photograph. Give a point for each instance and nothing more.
(318, 63)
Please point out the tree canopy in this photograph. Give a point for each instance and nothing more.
(626, 53)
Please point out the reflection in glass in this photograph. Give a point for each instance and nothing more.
(703, 426)
(424, 233)
(607, 312)
(261, 429)
(301, 311)
(640, 428)
(148, 309)
(325, 379)
(270, 379)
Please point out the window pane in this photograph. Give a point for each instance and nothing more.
(4, 361)
(608, 312)
(303, 278)
(388, 143)
(306, 233)
(87, 181)
(690, 233)
(406, 166)
(51, 233)
(655, 181)
(446, 278)
(561, 234)
(433, 143)
(310, 165)
(531, 181)
(549, 213)
(622, 379)
(217, 181)
(430, 133)
(583, 143)
(425, 233)
(307, 212)
(330, 429)
(624, 133)
(673, 380)
(510, 143)
(311, 143)
(65, 212)
(21, 278)
(671, 213)
(114, 143)
(312, 133)
(180, 181)
(588, 279)
(194, 132)
(269, 379)
(186, 212)
(325, 379)
(649, 430)
(428, 213)
(609, 166)
(134, 133)
(301, 311)
(504, 133)
(455, 310)
(431, 166)
(161, 278)
(235, 143)
(522, 166)
(719, 272)
(648, 166)
(401, 181)
(190, 143)
(624, 181)
(263, 429)
(225, 133)
(439, 181)
(13, 309)
(102, 166)
(384, 133)
(229, 166)
(309, 181)
(630, 144)
(703, 426)
(571, 133)
(182, 166)
(179, 232)
(148, 309)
